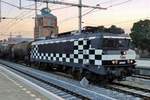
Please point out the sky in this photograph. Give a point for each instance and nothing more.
(122, 13)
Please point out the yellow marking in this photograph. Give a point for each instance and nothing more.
(28, 92)
(32, 95)
(24, 89)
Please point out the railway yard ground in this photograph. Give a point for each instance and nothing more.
(55, 86)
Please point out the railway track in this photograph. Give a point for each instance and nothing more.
(129, 89)
(142, 76)
(132, 90)
(58, 90)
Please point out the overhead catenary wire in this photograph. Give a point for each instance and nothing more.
(61, 8)
(15, 18)
(9, 4)
(58, 3)
(71, 6)
(18, 18)
(22, 16)
(79, 5)
(123, 22)
(126, 21)
(108, 1)
(113, 5)
(118, 4)
(90, 11)
(18, 7)
(74, 17)
(84, 13)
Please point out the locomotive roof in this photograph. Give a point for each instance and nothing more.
(119, 36)
(81, 36)
(73, 37)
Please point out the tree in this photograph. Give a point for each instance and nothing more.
(140, 34)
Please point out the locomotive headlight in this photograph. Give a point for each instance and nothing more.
(116, 62)
(123, 52)
(113, 62)
(130, 61)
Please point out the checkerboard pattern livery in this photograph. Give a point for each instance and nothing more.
(82, 54)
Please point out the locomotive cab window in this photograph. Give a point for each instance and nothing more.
(111, 43)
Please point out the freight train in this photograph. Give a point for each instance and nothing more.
(88, 54)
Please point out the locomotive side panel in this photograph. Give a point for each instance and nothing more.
(86, 51)
(82, 52)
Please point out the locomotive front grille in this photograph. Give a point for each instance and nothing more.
(118, 62)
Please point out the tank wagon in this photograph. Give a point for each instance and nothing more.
(102, 54)
(5, 50)
(21, 51)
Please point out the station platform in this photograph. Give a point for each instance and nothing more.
(12, 87)
(143, 67)
(143, 64)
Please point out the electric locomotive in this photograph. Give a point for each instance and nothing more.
(102, 54)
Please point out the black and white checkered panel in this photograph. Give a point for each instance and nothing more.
(34, 51)
(79, 46)
(92, 56)
(83, 54)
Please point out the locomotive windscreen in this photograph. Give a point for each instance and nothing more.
(115, 44)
